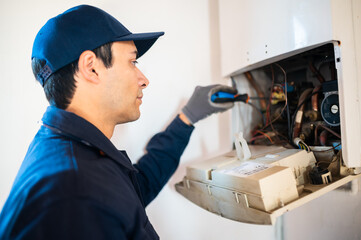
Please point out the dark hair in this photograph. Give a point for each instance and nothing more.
(60, 86)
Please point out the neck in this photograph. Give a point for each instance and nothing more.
(99, 120)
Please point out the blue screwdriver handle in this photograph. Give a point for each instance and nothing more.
(223, 97)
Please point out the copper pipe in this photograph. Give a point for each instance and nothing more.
(317, 73)
(314, 114)
(299, 114)
(327, 129)
(323, 137)
(314, 98)
(258, 90)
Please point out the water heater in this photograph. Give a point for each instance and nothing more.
(302, 62)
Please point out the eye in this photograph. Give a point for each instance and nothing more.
(134, 62)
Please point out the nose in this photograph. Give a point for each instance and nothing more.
(142, 79)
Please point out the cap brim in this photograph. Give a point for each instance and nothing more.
(143, 41)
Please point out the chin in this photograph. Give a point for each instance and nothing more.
(131, 118)
(136, 116)
(135, 119)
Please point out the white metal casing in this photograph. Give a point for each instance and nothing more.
(267, 31)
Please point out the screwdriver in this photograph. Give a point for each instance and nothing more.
(223, 97)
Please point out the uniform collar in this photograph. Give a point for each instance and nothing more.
(71, 125)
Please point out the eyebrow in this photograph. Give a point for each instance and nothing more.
(134, 52)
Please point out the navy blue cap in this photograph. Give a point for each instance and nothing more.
(63, 38)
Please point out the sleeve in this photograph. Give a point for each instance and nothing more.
(73, 219)
(162, 158)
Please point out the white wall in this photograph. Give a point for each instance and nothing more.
(334, 216)
(188, 55)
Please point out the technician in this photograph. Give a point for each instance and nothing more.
(73, 182)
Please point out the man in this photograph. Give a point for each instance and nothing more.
(74, 183)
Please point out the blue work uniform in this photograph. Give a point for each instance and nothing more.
(75, 184)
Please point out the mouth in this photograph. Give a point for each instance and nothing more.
(140, 98)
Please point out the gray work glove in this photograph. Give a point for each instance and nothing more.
(200, 105)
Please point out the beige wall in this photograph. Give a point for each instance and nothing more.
(188, 55)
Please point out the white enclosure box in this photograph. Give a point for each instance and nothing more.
(257, 33)
(301, 61)
(258, 190)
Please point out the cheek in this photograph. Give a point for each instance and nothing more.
(130, 81)
(123, 85)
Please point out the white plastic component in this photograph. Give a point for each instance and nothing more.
(255, 190)
(265, 29)
(243, 152)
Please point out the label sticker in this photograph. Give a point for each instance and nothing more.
(247, 169)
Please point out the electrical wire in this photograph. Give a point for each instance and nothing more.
(290, 120)
(262, 136)
(266, 135)
(268, 122)
(269, 104)
(286, 101)
(301, 144)
(268, 109)
(286, 98)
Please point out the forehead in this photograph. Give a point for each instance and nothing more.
(125, 48)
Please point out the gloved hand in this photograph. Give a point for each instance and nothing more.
(200, 105)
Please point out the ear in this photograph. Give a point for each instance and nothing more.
(88, 64)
